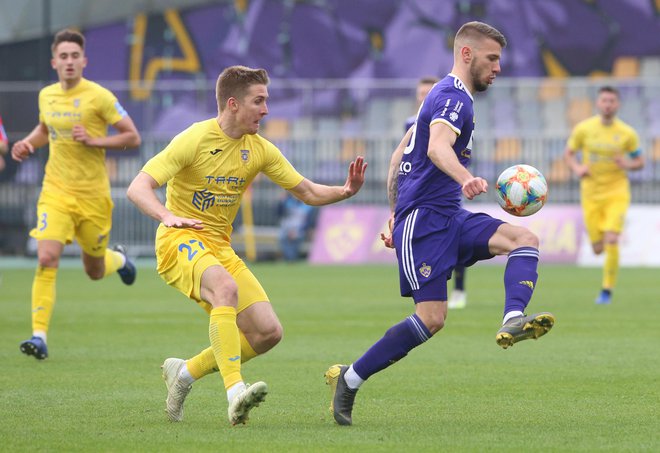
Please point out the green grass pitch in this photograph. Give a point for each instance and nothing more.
(591, 384)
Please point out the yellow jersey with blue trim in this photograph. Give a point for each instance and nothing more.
(207, 173)
(600, 144)
(74, 168)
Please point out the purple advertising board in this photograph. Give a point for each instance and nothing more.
(351, 234)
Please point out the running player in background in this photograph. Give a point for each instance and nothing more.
(458, 297)
(207, 169)
(75, 202)
(432, 233)
(609, 149)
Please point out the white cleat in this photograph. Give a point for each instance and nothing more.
(458, 299)
(176, 390)
(241, 405)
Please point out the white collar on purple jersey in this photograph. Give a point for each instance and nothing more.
(458, 83)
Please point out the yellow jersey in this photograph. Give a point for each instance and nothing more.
(600, 145)
(73, 168)
(207, 173)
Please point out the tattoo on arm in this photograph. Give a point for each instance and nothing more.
(393, 187)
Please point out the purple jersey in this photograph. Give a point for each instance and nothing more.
(421, 184)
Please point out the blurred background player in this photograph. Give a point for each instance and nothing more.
(74, 114)
(609, 148)
(207, 169)
(432, 232)
(296, 221)
(4, 145)
(458, 297)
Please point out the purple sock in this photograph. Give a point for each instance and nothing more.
(459, 278)
(520, 278)
(395, 344)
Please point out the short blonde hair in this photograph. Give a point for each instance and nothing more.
(235, 81)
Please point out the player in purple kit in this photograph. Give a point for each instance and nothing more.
(432, 234)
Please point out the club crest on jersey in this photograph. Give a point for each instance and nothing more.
(76, 103)
(425, 270)
(245, 155)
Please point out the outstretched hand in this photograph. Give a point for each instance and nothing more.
(387, 238)
(173, 221)
(355, 177)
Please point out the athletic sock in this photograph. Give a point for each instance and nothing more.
(520, 278)
(395, 344)
(43, 298)
(611, 268)
(459, 278)
(226, 344)
(113, 261)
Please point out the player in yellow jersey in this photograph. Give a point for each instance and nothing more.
(207, 169)
(74, 115)
(609, 149)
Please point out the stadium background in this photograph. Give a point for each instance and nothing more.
(343, 76)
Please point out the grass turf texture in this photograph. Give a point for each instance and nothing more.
(590, 385)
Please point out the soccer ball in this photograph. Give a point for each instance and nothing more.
(521, 190)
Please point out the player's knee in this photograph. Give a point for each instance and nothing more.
(223, 293)
(95, 273)
(527, 239)
(597, 247)
(49, 260)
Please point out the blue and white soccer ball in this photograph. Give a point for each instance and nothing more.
(521, 190)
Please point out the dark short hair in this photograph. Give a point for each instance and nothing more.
(609, 89)
(477, 29)
(430, 80)
(68, 35)
(235, 81)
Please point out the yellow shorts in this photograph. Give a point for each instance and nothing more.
(62, 217)
(605, 215)
(184, 254)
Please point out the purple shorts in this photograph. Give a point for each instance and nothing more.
(429, 245)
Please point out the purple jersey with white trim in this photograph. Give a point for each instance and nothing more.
(421, 183)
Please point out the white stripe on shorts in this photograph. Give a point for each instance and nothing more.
(407, 254)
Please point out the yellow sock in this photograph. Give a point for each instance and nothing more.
(113, 261)
(226, 344)
(611, 269)
(204, 363)
(43, 297)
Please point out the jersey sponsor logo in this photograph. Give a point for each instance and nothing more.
(425, 270)
(232, 181)
(215, 151)
(453, 116)
(405, 168)
(203, 200)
